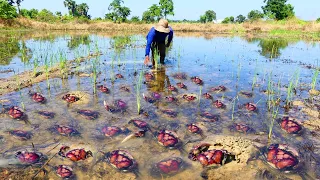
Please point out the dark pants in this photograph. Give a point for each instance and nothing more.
(161, 49)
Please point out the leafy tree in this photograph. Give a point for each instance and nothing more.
(155, 12)
(135, 19)
(226, 20)
(76, 41)
(17, 2)
(7, 11)
(255, 15)
(318, 20)
(82, 10)
(46, 16)
(32, 13)
(278, 8)
(231, 19)
(240, 18)
(72, 7)
(166, 7)
(147, 17)
(59, 14)
(118, 13)
(208, 16)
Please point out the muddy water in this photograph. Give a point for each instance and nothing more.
(240, 64)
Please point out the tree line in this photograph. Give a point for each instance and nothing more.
(273, 9)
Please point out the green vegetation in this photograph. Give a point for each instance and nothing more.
(166, 7)
(117, 13)
(208, 16)
(228, 20)
(15, 2)
(278, 9)
(152, 14)
(314, 79)
(255, 15)
(318, 20)
(7, 11)
(240, 19)
(76, 10)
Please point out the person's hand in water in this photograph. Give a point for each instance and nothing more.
(146, 60)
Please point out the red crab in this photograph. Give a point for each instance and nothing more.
(70, 98)
(153, 98)
(243, 128)
(121, 160)
(290, 126)
(194, 129)
(149, 76)
(64, 171)
(251, 106)
(170, 99)
(181, 85)
(140, 124)
(21, 135)
(282, 157)
(65, 130)
(181, 76)
(213, 157)
(37, 97)
(168, 139)
(88, 114)
(28, 157)
(117, 106)
(111, 131)
(219, 104)
(189, 97)
(103, 89)
(16, 113)
(246, 94)
(168, 166)
(207, 96)
(119, 76)
(170, 113)
(198, 149)
(125, 88)
(46, 114)
(210, 117)
(172, 88)
(75, 154)
(197, 80)
(219, 89)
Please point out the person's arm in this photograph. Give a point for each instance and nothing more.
(150, 37)
(170, 37)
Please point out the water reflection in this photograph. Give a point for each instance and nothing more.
(9, 47)
(76, 41)
(161, 80)
(270, 48)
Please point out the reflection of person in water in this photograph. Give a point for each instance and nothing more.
(161, 80)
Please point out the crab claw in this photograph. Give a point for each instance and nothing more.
(62, 150)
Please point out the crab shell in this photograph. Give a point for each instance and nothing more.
(172, 88)
(121, 160)
(282, 157)
(207, 96)
(22, 135)
(118, 106)
(181, 85)
(180, 76)
(139, 124)
(168, 139)
(197, 80)
(75, 154)
(169, 166)
(148, 76)
(16, 113)
(194, 129)
(251, 106)
(119, 76)
(70, 98)
(189, 97)
(66, 130)
(64, 171)
(212, 157)
(210, 117)
(219, 89)
(111, 131)
(28, 157)
(198, 149)
(88, 114)
(219, 104)
(37, 97)
(46, 114)
(103, 89)
(290, 126)
(125, 88)
(243, 128)
(170, 113)
(170, 99)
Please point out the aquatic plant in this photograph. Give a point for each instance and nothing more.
(314, 79)
(138, 89)
(156, 58)
(254, 81)
(292, 86)
(35, 67)
(62, 64)
(233, 106)
(94, 75)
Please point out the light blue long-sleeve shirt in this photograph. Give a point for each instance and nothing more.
(156, 36)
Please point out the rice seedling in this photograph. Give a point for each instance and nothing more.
(138, 89)
(233, 106)
(254, 81)
(314, 79)
(19, 88)
(63, 64)
(94, 75)
(291, 87)
(35, 67)
(46, 68)
(156, 58)
(200, 93)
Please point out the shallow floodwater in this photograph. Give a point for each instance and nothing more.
(241, 64)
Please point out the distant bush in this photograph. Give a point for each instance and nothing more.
(7, 11)
(46, 16)
(135, 19)
(318, 20)
(32, 13)
(228, 20)
(82, 20)
(255, 15)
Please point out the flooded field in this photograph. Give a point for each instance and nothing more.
(221, 107)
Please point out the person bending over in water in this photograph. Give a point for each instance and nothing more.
(156, 40)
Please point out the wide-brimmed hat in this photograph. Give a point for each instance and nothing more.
(162, 26)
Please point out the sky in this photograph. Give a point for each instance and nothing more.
(184, 9)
